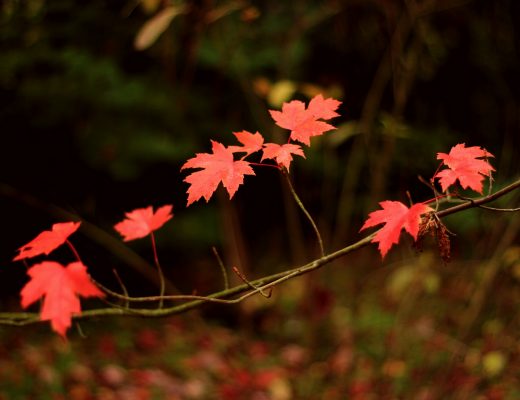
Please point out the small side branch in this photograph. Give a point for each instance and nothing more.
(478, 202)
(500, 209)
(20, 319)
(222, 267)
(244, 279)
(123, 287)
(245, 290)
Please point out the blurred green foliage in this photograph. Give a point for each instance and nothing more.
(93, 126)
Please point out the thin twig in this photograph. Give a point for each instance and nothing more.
(410, 201)
(246, 281)
(80, 331)
(490, 208)
(302, 207)
(110, 292)
(500, 209)
(123, 287)
(427, 183)
(159, 270)
(222, 267)
(477, 202)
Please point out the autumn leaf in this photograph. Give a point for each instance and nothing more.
(217, 167)
(282, 153)
(142, 221)
(321, 108)
(465, 165)
(47, 241)
(304, 123)
(303, 132)
(292, 115)
(60, 287)
(396, 216)
(251, 142)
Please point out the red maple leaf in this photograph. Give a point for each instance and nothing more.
(304, 123)
(142, 221)
(396, 216)
(60, 286)
(217, 167)
(252, 142)
(47, 241)
(282, 153)
(292, 114)
(321, 108)
(465, 165)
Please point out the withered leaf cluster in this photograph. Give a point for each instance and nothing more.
(431, 224)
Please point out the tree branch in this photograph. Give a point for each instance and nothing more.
(267, 282)
(480, 201)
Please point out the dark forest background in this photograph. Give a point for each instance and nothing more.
(98, 113)
(94, 127)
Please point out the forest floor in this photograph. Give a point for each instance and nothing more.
(402, 332)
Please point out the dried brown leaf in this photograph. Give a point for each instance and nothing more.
(155, 26)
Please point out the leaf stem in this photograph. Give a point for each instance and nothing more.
(74, 251)
(263, 165)
(159, 270)
(302, 207)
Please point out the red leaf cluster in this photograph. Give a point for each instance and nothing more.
(59, 286)
(220, 166)
(282, 153)
(464, 164)
(251, 142)
(467, 165)
(217, 167)
(304, 123)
